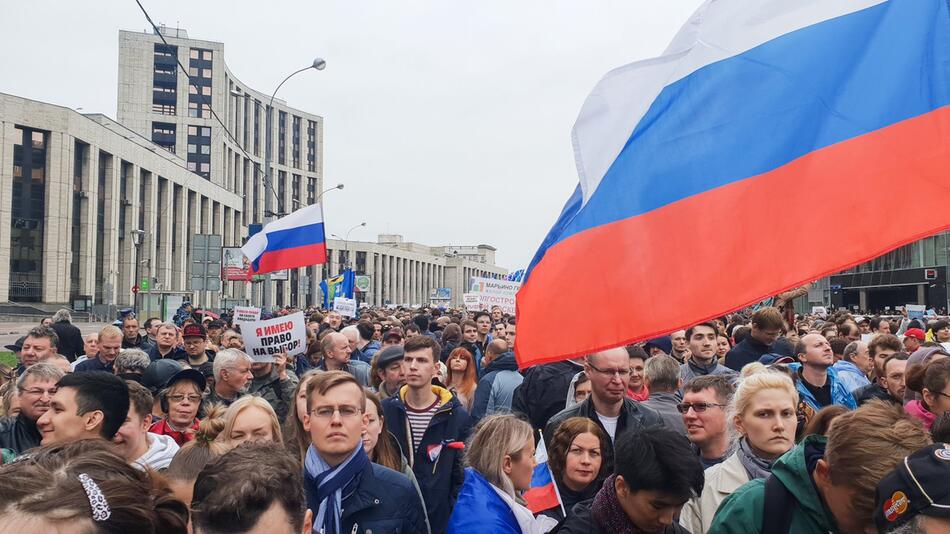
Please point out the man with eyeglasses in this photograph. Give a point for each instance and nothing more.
(608, 405)
(35, 388)
(705, 400)
(703, 343)
(345, 490)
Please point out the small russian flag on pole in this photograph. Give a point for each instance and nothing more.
(543, 493)
(297, 240)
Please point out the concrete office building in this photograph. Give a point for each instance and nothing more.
(159, 102)
(75, 188)
(406, 273)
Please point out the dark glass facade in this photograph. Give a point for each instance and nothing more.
(199, 150)
(28, 207)
(165, 79)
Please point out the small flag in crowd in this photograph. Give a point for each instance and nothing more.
(296, 240)
(697, 169)
(543, 493)
(338, 286)
(516, 276)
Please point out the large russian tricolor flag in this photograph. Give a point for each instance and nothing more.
(773, 143)
(297, 240)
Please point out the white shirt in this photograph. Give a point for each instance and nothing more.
(610, 424)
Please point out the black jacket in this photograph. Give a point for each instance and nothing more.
(439, 480)
(384, 502)
(543, 393)
(750, 350)
(579, 521)
(177, 353)
(19, 433)
(141, 342)
(873, 391)
(633, 416)
(70, 340)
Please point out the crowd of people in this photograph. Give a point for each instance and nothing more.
(420, 421)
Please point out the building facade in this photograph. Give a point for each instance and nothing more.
(181, 114)
(406, 273)
(89, 208)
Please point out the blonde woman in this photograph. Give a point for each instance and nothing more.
(764, 418)
(250, 418)
(500, 459)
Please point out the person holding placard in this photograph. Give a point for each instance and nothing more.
(274, 384)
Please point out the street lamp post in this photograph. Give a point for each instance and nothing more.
(346, 243)
(318, 64)
(137, 237)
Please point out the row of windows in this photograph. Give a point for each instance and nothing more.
(199, 110)
(196, 72)
(164, 109)
(197, 53)
(203, 131)
(205, 90)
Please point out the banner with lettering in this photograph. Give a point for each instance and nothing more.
(265, 339)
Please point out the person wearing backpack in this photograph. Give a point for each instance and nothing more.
(825, 484)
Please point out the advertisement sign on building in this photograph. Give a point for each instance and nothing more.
(362, 283)
(234, 266)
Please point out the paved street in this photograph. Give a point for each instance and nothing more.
(10, 332)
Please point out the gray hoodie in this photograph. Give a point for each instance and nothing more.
(161, 450)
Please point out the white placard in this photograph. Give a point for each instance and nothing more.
(246, 314)
(346, 307)
(265, 339)
(820, 311)
(471, 301)
(493, 292)
(915, 311)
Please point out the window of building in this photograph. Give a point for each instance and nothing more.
(163, 109)
(311, 190)
(192, 130)
(193, 71)
(311, 146)
(206, 55)
(295, 134)
(163, 135)
(257, 127)
(282, 138)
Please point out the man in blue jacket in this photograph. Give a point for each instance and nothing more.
(817, 383)
(430, 425)
(497, 386)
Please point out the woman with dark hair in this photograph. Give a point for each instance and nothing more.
(462, 378)
(576, 460)
(451, 336)
(932, 381)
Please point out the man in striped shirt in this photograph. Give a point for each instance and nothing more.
(430, 426)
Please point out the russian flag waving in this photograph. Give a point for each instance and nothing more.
(543, 493)
(297, 240)
(704, 173)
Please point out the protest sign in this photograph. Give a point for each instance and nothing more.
(246, 314)
(915, 311)
(820, 311)
(265, 339)
(346, 307)
(234, 265)
(493, 292)
(471, 301)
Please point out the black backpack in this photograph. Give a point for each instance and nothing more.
(779, 504)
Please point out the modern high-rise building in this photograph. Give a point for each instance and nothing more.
(218, 125)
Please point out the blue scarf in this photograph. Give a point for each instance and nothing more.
(326, 486)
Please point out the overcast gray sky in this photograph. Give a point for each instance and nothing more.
(448, 121)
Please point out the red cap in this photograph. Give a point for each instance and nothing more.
(916, 333)
(193, 330)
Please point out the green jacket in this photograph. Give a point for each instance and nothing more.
(741, 512)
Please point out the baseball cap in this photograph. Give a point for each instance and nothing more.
(393, 333)
(916, 333)
(216, 323)
(663, 343)
(194, 330)
(389, 355)
(188, 374)
(18, 346)
(775, 359)
(918, 485)
(156, 375)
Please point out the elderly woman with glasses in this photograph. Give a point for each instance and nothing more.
(763, 417)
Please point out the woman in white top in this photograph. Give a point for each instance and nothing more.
(764, 418)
